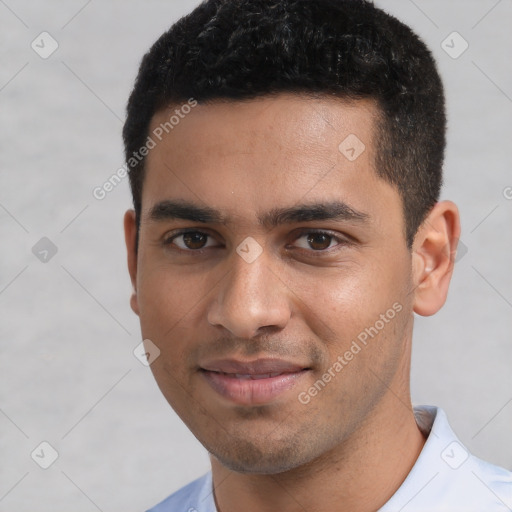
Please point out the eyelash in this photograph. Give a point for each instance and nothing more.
(341, 241)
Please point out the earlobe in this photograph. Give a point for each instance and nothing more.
(134, 303)
(434, 248)
(130, 236)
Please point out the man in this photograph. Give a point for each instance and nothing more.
(285, 163)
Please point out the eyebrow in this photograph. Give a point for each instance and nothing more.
(333, 210)
(170, 210)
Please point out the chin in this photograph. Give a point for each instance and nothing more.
(247, 457)
(268, 466)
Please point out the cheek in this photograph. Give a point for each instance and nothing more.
(169, 297)
(338, 303)
(169, 302)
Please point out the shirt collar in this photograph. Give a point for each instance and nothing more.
(445, 477)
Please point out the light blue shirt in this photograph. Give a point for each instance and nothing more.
(445, 478)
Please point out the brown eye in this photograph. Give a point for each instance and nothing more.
(191, 240)
(319, 241)
(195, 240)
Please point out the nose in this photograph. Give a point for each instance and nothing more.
(249, 299)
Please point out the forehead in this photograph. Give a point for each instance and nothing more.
(251, 156)
(289, 124)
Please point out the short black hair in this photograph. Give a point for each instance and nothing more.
(244, 49)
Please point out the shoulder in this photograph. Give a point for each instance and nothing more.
(486, 483)
(196, 496)
(473, 486)
(447, 477)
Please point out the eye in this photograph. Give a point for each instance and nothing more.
(318, 241)
(191, 240)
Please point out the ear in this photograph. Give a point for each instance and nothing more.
(130, 236)
(433, 253)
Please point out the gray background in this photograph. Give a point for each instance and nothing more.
(67, 372)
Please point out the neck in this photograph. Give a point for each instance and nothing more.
(359, 475)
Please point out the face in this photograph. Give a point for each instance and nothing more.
(273, 276)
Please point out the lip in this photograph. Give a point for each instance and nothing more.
(252, 382)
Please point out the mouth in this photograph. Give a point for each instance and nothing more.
(250, 376)
(252, 383)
